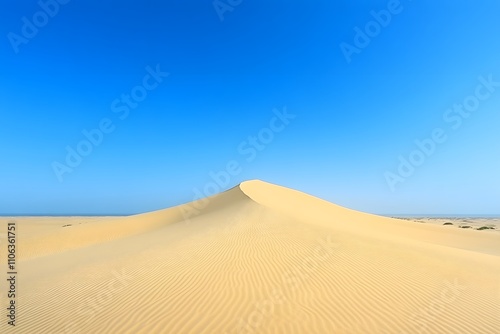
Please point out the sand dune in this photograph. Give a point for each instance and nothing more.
(258, 258)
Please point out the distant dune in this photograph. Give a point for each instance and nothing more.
(258, 258)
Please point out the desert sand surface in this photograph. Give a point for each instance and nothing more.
(490, 224)
(258, 258)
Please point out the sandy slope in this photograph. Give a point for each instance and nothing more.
(258, 258)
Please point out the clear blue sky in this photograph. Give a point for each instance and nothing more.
(82, 65)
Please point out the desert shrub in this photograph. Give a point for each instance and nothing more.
(485, 228)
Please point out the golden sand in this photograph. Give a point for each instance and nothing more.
(258, 258)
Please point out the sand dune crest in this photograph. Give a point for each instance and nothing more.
(258, 258)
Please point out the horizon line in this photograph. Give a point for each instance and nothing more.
(395, 215)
